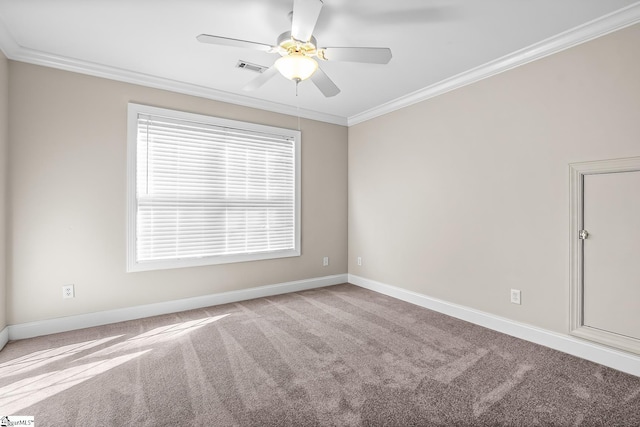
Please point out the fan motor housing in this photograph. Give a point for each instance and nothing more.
(288, 45)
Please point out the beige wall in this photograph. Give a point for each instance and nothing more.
(67, 199)
(4, 134)
(460, 197)
(465, 196)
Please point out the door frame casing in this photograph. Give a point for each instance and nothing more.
(577, 327)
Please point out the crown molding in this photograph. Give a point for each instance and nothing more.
(583, 33)
(16, 52)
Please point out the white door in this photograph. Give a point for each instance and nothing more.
(611, 252)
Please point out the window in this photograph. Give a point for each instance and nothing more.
(204, 190)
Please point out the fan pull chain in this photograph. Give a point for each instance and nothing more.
(298, 104)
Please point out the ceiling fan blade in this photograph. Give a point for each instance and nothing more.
(224, 41)
(324, 83)
(371, 55)
(261, 79)
(305, 16)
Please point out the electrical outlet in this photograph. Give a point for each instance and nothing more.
(515, 296)
(325, 261)
(359, 260)
(67, 291)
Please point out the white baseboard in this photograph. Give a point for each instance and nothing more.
(63, 324)
(615, 359)
(4, 337)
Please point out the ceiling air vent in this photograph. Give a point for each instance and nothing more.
(251, 67)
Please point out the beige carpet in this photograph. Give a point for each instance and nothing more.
(340, 355)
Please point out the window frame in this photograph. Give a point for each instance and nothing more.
(132, 202)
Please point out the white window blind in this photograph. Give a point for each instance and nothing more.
(211, 191)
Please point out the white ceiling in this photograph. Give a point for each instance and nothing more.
(437, 44)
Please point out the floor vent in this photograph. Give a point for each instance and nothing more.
(251, 67)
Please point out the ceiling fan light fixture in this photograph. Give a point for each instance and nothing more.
(296, 66)
(299, 51)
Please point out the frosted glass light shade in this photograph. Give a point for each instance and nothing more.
(296, 66)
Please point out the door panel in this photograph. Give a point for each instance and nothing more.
(611, 257)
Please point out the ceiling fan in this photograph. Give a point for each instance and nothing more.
(298, 48)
